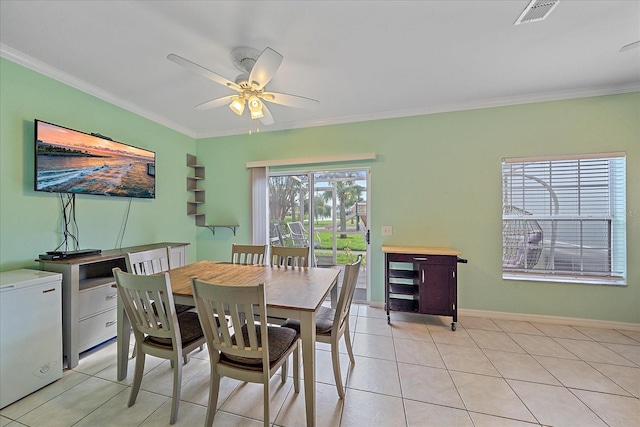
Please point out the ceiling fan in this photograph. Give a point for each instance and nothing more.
(257, 70)
(630, 46)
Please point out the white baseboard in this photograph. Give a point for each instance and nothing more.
(539, 318)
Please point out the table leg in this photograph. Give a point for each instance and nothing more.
(308, 335)
(123, 338)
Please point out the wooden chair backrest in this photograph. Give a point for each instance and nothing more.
(349, 282)
(227, 309)
(152, 261)
(290, 256)
(138, 292)
(177, 258)
(248, 254)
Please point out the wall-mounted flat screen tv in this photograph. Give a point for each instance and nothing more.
(70, 161)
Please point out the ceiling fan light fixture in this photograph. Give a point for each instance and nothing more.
(257, 114)
(254, 104)
(237, 105)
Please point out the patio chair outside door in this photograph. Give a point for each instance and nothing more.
(328, 212)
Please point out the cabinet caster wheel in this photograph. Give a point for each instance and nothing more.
(453, 326)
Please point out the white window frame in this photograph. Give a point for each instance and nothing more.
(554, 208)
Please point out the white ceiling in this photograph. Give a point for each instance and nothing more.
(362, 60)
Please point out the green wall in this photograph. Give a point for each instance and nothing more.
(30, 222)
(436, 181)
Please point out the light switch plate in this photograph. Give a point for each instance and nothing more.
(387, 230)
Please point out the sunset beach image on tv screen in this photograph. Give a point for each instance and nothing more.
(68, 161)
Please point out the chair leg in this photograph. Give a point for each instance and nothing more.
(266, 402)
(347, 341)
(214, 389)
(137, 377)
(284, 371)
(335, 358)
(296, 368)
(177, 382)
(135, 346)
(186, 356)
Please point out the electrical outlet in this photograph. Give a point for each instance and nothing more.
(387, 230)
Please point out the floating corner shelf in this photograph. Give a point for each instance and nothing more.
(198, 197)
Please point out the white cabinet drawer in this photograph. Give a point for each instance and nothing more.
(96, 300)
(97, 329)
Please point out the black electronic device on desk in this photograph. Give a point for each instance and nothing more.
(53, 255)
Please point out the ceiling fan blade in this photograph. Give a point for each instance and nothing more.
(290, 100)
(268, 118)
(203, 71)
(630, 46)
(265, 67)
(214, 103)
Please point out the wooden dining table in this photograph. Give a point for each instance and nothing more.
(291, 292)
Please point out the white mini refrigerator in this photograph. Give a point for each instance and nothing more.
(30, 332)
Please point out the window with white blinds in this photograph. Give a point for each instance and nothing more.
(564, 218)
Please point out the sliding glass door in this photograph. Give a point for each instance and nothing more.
(327, 211)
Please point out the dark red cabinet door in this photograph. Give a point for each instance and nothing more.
(435, 289)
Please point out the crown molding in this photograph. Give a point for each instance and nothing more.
(59, 75)
(56, 74)
(449, 108)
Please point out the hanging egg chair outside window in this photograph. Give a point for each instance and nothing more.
(522, 239)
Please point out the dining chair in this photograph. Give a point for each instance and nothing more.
(288, 256)
(159, 331)
(240, 346)
(153, 261)
(248, 254)
(333, 324)
(177, 258)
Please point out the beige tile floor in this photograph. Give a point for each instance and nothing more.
(416, 372)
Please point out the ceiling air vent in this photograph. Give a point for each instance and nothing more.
(537, 10)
